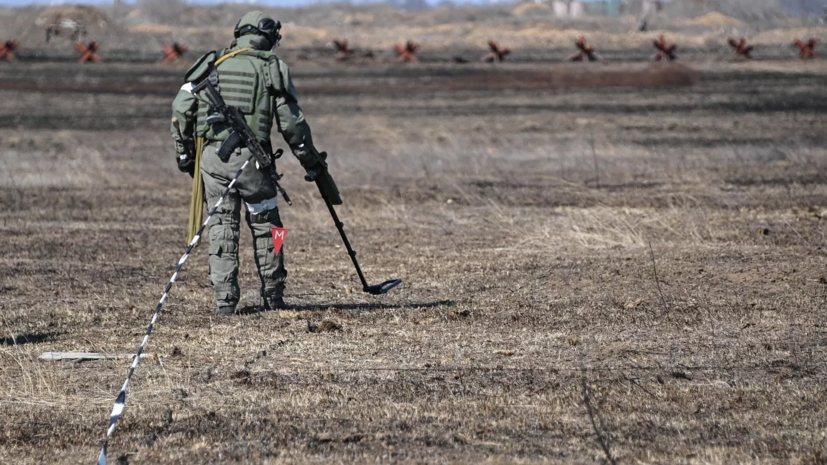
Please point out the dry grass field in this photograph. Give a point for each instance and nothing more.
(592, 273)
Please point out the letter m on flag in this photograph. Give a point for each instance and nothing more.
(279, 235)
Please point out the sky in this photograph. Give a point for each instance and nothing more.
(200, 2)
(206, 2)
(109, 2)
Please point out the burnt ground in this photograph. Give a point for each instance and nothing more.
(592, 273)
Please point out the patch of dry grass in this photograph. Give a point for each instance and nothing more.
(634, 244)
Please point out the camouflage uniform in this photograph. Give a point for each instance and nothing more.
(255, 81)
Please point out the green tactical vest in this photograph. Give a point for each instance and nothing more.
(246, 81)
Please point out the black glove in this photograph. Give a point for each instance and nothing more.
(186, 164)
(311, 160)
(184, 146)
(180, 146)
(314, 171)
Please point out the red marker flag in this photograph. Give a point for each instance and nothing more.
(279, 235)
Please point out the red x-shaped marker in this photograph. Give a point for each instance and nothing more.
(7, 50)
(585, 52)
(343, 50)
(497, 53)
(742, 48)
(88, 53)
(666, 51)
(807, 50)
(408, 52)
(174, 52)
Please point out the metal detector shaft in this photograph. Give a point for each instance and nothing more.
(341, 227)
(375, 289)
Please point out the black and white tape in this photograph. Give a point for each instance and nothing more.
(120, 402)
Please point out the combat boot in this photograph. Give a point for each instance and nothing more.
(226, 310)
(274, 303)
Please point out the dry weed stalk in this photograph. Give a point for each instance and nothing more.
(655, 275)
(596, 167)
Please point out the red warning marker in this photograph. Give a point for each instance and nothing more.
(279, 235)
(88, 53)
(174, 52)
(7, 50)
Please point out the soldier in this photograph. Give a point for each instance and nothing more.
(254, 80)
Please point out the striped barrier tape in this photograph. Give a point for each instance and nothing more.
(120, 402)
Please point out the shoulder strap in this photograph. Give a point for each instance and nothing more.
(213, 76)
(230, 55)
(212, 67)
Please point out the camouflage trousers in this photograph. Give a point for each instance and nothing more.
(256, 190)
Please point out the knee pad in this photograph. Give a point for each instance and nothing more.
(269, 217)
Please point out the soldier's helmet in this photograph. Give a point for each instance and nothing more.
(258, 23)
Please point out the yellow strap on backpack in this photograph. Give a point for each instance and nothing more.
(230, 55)
(197, 201)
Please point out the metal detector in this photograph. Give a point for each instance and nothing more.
(376, 289)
